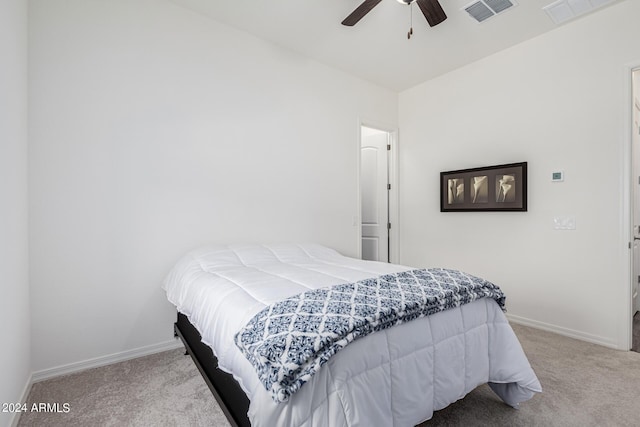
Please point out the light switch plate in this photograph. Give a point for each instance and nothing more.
(557, 176)
(564, 223)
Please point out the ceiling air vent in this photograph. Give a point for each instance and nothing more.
(485, 9)
(561, 11)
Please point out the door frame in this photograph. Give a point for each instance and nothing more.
(629, 185)
(394, 216)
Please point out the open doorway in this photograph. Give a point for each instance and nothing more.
(635, 196)
(378, 194)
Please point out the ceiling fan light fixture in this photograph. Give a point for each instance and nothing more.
(407, 2)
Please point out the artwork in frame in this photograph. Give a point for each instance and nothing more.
(490, 188)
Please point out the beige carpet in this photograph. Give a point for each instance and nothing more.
(163, 389)
(584, 385)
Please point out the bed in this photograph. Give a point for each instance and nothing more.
(395, 376)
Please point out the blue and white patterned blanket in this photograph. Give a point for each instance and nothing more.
(287, 342)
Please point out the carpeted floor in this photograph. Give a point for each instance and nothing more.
(163, 389)
(584, 385)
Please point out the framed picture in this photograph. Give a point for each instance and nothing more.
(490, 188)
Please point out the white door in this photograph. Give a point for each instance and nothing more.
(374, 193)
(635, 152)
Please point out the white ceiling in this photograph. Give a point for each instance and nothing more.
(376, 48)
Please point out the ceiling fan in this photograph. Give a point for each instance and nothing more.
(431, 10)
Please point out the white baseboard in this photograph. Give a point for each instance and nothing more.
(23, 399)
(104, 360)
(583, 336)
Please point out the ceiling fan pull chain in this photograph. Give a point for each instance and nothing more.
(410, 21)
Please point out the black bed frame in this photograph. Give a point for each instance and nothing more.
(225, 388)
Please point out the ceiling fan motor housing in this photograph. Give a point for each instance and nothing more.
(431, 10)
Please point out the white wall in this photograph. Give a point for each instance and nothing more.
(155, 130)
(14, 284)
(559, 102)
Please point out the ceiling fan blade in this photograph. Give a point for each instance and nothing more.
(432, 11)
(360, 11)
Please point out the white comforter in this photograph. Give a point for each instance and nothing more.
(395, 377)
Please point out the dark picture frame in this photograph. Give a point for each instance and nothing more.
(489, 188)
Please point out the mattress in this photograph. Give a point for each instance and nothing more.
(397, 376)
